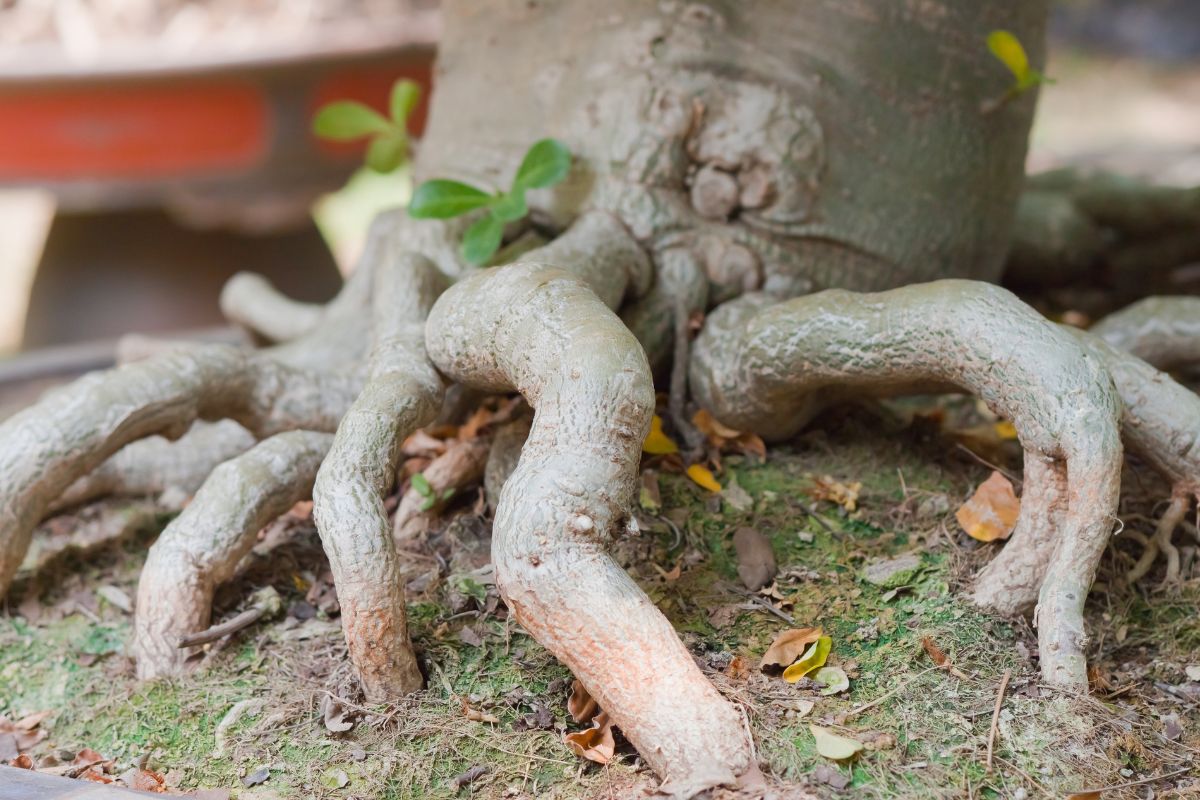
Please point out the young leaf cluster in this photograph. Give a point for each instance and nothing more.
(429, 497)
(347, 120)
(546, 163)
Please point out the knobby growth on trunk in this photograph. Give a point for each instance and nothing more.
(834, 186)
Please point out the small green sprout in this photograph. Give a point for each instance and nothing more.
(347, 120)
(430, 498)
(546, 163)
(1008, 50)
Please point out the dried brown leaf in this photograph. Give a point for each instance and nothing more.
(597, 743)
(788, 646)
(581, 706)
(992, 511)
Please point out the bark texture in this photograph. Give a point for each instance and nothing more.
(403, 392)
(201, 548)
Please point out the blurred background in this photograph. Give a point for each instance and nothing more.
(151, 148)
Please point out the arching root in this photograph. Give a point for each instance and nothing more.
(72, 430)
(769, 368)
(403, 392)
(1162, 331)
(153, 465)
(545, 332)
(250, 300)
(203, 545)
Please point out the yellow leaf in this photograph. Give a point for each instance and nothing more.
(992, 511)
(702, 476)
(658, 443)
(813, 658)
(1005, 47)
(1005, 430)
(830, 745)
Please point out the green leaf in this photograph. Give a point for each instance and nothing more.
(546, 163)
(834, 678)
(812, 659)
(441, 199)
(511, 206)
(421, 484)
(346, 120)
(1009, 51)
(447, 494)
(405, 94)
(387, 152)
(482, 240)
(428, 503)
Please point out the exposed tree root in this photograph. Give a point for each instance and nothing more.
(1162, 331)
(544, 332)
(769, 368)
(251, 301)
(201, 548)
(154, 465)
(70, 432)
(403, 392)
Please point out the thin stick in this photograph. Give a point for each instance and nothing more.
(1136, 783)
(242, 620)
(764, 605)
(996, 718)
(856, 711)
(987, 463)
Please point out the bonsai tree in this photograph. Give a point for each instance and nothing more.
(833, 184)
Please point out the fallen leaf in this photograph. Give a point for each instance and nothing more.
(1005, 430)
(658, 443)
(703, 477)
(738, 669)
(835, 491)
(671, 575)
(737, 497)
(25, 732)
(335, 715)
(22, 761)
(707, 424)
(788, 646)
(116, 597)
(939, 658)
(725, 438)
(813, 659)
(834, 678)
(992, 511)
(1192, 671)
(1090, 795)
(580, 705)
(755, 558)
(144, 780)
(804, 707)
(477, 716)
(597, 743)
(832, 746)
(334, 778)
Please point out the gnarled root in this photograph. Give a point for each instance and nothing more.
(203, 545)
(769, 368)
(403, 392)
(1162, 331)
(544, 332)
(154, 465)
(72, 430)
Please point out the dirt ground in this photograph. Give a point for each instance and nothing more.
(490, 723)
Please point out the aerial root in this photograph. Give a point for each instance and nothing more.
(402, 393)
(769, 368)
(201, 548)
(74, 429)
(543, 331)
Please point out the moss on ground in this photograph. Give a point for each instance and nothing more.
(926, 731)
